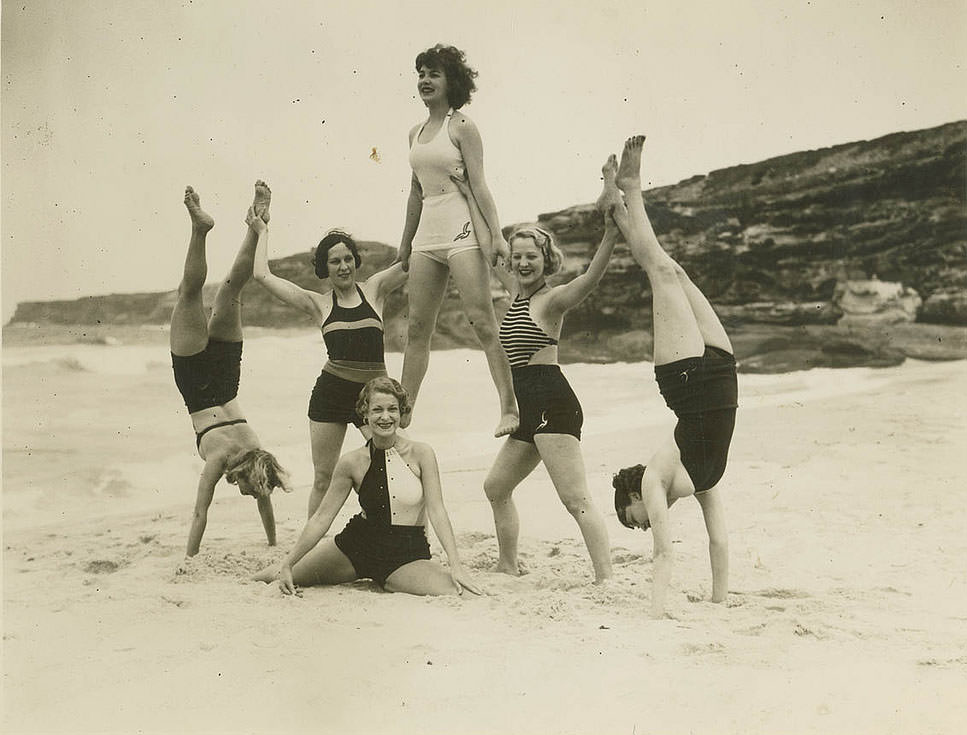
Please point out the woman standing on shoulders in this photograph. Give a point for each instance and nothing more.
(550, 414)
(352, 327)
(439, 237)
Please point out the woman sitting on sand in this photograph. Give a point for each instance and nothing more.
(550, 414)
(439, 237)
(352, 328)
(206, 356)
(695, 370)
(398, 483)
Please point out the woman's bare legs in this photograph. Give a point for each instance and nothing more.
(421, 577)
(426, 288)
(326, 440)
(189, 327)
(225, 322)
(562, 457)
(676, 331)
(515, 461)
(325, 564)
(472, 277)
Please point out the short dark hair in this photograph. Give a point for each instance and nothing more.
(625, 482)
(453, 63)
(333, 238)
(386, 385)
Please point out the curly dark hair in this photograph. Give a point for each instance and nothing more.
(453, 63)
(333, 238)
(625, 482)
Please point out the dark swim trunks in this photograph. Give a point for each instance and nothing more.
(333, 400)
(703, 393)
(546, 402)
(377, 550)
(210, 377)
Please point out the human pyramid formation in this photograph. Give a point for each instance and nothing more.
(451, 228)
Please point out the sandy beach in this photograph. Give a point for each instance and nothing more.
(847, 611)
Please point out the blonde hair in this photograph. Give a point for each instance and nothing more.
(382, 385)
(262, 470)
(544, 240)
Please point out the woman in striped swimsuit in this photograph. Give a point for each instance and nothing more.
(352, 328)
(550, 414)
(398, 483)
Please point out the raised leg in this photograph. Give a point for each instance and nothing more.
(189, 328)
(225, 322)
(426, 288)
(565, 465)
(515, 461)
(472, 277)
(326, 440)
(421, 577)
(676, 332)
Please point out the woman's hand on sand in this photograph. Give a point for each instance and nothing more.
(255, 221)
(463, 581)
(285, 580)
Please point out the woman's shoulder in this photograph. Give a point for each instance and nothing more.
(420, 450)
(460, 122)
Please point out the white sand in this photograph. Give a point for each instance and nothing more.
(845, 494)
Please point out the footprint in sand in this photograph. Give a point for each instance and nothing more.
(101, 566)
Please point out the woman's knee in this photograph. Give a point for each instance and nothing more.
(578, 505)
(497, 491)
(484, 324)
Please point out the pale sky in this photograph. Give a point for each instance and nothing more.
(110, 107)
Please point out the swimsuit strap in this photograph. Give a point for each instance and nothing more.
(218, 425)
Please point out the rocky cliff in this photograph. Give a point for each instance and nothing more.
(773, 244)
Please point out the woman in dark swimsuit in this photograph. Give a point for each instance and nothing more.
(695, 370)
(398, 483)
(550, 414)
(206, 355)
(352, 327)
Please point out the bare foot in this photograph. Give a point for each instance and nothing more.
(629, 170)
(263, 197)
(201, 221)
(610, 196)
(509, 423)
(514, 570)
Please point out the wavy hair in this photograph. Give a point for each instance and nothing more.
(386, 385)
(262, 470)
(625, 482)
(333, 238)
(544, 240)
(453, 63)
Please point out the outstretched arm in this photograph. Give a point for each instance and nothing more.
(575, 291)
(210, 475)
(286, 291)
(471, 147)
(440, 519)
(318, 523)
(384, 282)
(718, 541)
